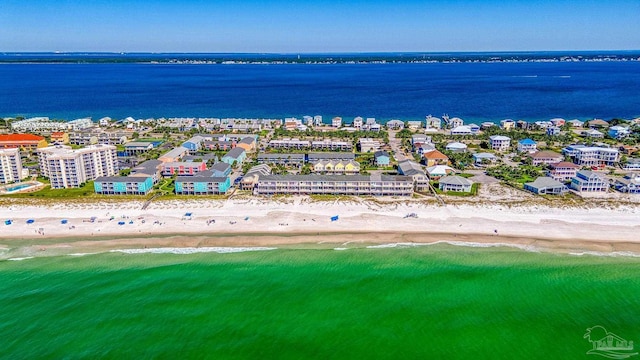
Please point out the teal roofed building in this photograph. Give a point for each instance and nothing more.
(123, 185)
(237, 155)
(203, 183)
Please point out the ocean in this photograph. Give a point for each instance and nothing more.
(473, 91)
(436, 302)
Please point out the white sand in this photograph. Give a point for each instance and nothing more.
(301, 215)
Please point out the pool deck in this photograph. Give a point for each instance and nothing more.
(33, 186)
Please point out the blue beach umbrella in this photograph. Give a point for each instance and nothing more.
(30, 221)
(63, 221)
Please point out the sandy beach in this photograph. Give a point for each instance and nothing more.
(103, 226)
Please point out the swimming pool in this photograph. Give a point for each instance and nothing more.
(19, 187)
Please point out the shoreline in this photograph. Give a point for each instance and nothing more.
(300, 222)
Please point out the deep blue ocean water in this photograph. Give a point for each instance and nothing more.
(473, 91)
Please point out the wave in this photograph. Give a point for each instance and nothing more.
(81, 254)
(192, 250)
(21, 258)
(611, 254)
(529, 248)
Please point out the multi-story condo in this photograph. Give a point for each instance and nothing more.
(377, 185)
(368, 144)
(183, 168)
(39, 124)
(202, 184)
(123, 185)
(10, 166)
(281, 159)
(336, 167)
(592, 155)
(499, 142)
(98, 136)
(66, 167)
(589, 181)
(313, 157)
(289, 144)
(332, 145)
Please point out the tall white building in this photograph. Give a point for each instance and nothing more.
(10, 166)
(66, 167)
(336, 122)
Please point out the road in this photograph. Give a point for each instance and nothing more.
(396, 147)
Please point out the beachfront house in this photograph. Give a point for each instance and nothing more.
(589, 181)
(235, 156)
(202, 184)
(576, 123)
(507, 124)
(336, 122)
(546, 185)
(527, 146)
(123, 185)
(455, 183)
(562, 171)
(499, 143)
(546, 157)
(433, 123)
(453, 122)
(415, 171)
(630, 184)
(632, 164)
(395, 125)
(414, 125)
(382, 158)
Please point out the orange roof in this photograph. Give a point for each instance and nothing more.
(20, 137)
(435, 154)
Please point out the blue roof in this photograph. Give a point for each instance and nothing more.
(527, 142)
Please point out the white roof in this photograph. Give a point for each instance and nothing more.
(499, 137)
(456, 145)
(439, 169)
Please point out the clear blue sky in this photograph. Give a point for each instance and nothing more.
(318, 26)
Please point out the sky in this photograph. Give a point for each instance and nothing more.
(303, 26)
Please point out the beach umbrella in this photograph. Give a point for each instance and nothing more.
(63, 221)
(30, 221)
(121, 223)
(8, 222)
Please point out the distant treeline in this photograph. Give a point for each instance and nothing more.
(167, 58)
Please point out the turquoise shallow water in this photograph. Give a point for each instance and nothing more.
(435, 301)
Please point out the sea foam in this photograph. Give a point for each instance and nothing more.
(192, 250)
(456, 243)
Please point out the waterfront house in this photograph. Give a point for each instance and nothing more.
(433, 123)
(546, 157)
(507, 124)
(250, 178)
(202, 184)
(630, 184)
(382, 158)
(456, 147)
(557, 122)
(597, 123)
(437, 171)
(576, 123)
(358, 121)
(453, 122)
(183, 168)
(376, 185)
(435, 157)
(123, 185)
(336, 122)
(499, 143)
(414, 125)
(236, 155)
(527, 145)
(22, 141)
(483, 158)
(589, 181)
(546, 185)
(220, 169)
(455, 183)
(395, 125)
(562, 171)
(10, 166)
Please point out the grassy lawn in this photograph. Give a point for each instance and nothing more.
(85, 191)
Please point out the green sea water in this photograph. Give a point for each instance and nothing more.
(429, 302)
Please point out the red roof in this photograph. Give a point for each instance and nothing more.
(20, 137)
(435, 154)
